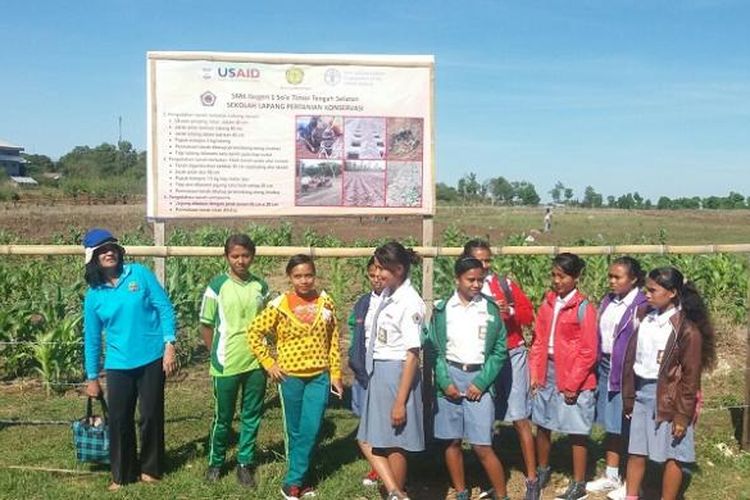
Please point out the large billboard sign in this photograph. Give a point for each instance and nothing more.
(242, 135)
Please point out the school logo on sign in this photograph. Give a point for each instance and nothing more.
(332, 76)
(295, 75)
(208, 98)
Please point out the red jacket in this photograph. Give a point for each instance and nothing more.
(576, 345)
(522, 308)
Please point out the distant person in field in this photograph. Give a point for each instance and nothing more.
(548, 220)
(467, 337)
(392, 420)
(231, 301)
(307, 366)
(616, 325)
(563, 371)
(127, 305)
(512, 402)
(360, 323)
(673, 344)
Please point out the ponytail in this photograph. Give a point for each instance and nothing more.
(394, 254)
(693, 308)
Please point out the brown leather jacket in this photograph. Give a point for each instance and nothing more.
(679, 375)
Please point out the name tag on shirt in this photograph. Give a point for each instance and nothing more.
(382, 335)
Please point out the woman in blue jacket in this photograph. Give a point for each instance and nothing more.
(128, 305)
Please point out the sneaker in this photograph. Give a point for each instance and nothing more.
(308, 492)
(245, 475)
(576, 491)
(618, 494)
(490, 495)
(603, 484)
(462, 495)
(213, 474)
(533, 490)
(543, 475)
(396, 495)
(290, 492)
(371, 479)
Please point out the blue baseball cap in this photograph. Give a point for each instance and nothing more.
(96, 238)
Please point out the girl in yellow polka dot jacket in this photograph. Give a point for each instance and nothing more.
(303, 324)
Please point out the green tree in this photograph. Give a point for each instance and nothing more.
(591, 198)
(38, 164)
(500, 190)
(524, 193)
(664, 203)
(568, 194)
(446, 193)
(557, 191)
(469, 188)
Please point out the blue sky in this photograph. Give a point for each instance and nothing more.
(650, 96)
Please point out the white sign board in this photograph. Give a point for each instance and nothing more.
(240, 135)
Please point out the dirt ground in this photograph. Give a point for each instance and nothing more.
(42, 222)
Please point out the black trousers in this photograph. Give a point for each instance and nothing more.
(144, 384)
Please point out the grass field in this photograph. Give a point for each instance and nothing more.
(41, 224)
(723, 470)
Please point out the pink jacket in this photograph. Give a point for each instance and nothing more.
(576, 345)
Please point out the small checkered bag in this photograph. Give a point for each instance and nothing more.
(91, 435)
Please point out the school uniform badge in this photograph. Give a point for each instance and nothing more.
(382, 335)
(133, 286)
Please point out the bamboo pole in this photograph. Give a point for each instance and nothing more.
(746, 409)
(424, 251)
(160, 264)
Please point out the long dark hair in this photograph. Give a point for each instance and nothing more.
(394, 254)
(693, 308)
(570, 263)
(476, 244)
(633, 268)
(94, 274)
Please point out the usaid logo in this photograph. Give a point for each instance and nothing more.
(237, 73)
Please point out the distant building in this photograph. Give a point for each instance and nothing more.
(10, 159)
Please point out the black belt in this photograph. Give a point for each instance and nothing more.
(464, 367)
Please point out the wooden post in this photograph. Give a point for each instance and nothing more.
(427, 360)
(746, 410)
(428, 263)
(160, 262)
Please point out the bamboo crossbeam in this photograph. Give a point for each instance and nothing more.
(431, 251)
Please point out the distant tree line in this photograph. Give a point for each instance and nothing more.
(106, 172)
(500, 191)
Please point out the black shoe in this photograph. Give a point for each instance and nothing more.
(575, 491)
(213, 474)
(245, 475)
(543, 475)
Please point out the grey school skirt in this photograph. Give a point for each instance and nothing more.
(608, 403)
(512, 387)
(375, 421)
(549, 409)
(654, 439)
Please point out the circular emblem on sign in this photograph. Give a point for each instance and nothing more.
(295, 75)
(208, 98)
(332, 76)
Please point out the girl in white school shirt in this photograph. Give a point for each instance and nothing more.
(672, 345)
(467, 335)
(392, 416)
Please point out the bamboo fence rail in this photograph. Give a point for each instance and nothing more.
(425, 251)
